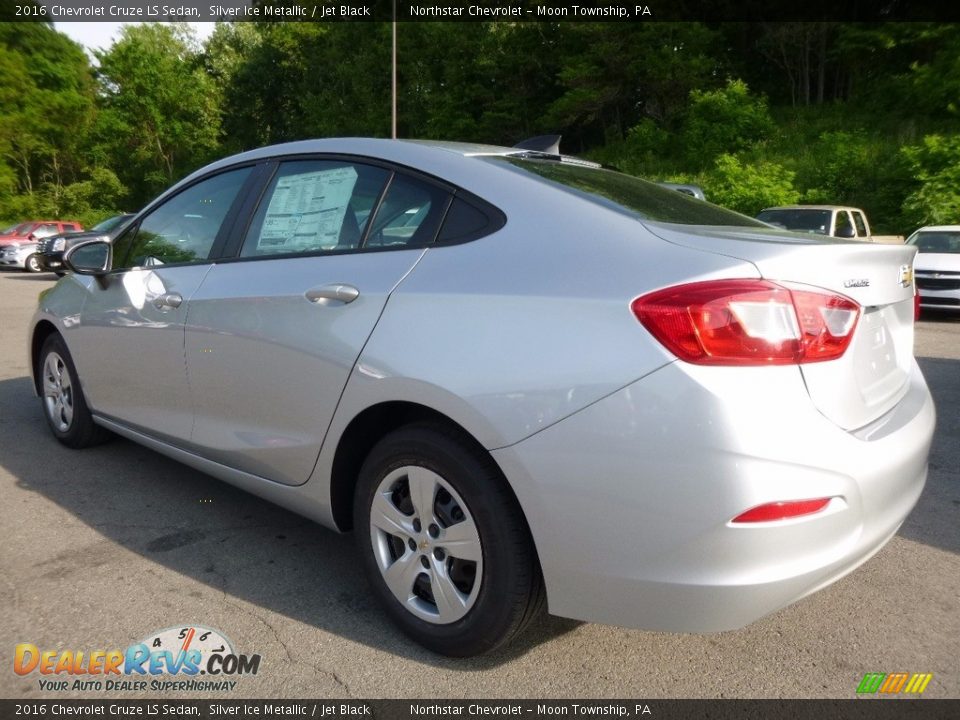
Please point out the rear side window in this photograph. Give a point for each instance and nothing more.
(844, 228)
(314, 206)
(861, 225)
(465, 221)
(409, 215)
(626, 194)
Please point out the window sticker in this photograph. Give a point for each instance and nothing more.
(306, 211)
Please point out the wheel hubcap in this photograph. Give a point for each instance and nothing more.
(57, 392)
(426, 544)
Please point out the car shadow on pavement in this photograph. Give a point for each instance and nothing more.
(44, 276)
(935, 520)
(213, 533)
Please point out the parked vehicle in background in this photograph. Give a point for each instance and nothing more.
(518, 378)
(691, 190)
(937, 267)
(50, 250)
(19, 248)
(22, 256)
(838, 221)
(34, 230)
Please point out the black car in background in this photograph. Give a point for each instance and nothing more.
(50, 250)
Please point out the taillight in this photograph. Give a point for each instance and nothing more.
(916, 306)
(781, 510)
(748, 322)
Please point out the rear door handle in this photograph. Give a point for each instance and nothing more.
(333, 294)
(171, 300)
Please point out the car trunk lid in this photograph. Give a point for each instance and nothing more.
(872, 376)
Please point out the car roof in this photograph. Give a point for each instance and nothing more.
(445, 159)
(939, 228)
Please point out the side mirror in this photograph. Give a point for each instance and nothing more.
(94, 257)
(846, 233)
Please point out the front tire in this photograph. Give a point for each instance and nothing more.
(61, 396)
(32, 264)
(444, 542)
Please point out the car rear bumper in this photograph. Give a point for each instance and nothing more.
(635, 530)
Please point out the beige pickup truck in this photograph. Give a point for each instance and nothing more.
(835, 220)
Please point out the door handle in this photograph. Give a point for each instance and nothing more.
(333, 294)
(171, 300)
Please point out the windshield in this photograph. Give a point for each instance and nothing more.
(625, 193)
(799, 219)
(21, 229)
(109, 224)
(937, 241)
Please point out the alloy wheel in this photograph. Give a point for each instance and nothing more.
(57, 392)
(426, 544)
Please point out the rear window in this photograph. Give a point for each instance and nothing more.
(799, 220)
(936, 242)
(626, 193)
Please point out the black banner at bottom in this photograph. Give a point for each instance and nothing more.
(854, 709)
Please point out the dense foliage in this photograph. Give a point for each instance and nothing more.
(758, 114)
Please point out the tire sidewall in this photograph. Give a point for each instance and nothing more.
(55, 343)
(491, 617)
(32, 264)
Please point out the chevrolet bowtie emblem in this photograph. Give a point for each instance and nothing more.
(906, 276)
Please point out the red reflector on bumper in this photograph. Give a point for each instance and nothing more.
(781, 510)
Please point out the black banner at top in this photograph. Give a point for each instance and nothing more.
(479, 10)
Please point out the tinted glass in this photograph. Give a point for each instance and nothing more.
(409, 215)
(861, 225)
(844, 228)
(314, 206)
(184, 227)
(798, 219)
(936, 242)
(626, 193)
(463, 222)
(110, 223)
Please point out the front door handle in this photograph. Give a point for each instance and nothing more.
(171, 300)
(333, 294)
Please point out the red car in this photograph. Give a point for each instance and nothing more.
(33, 230)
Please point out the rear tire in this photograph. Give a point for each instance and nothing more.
(62, 400)
(444, 542)
(32, 264)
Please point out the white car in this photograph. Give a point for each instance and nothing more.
(937, 267)
(21, 255)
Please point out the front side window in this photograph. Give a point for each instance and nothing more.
(182, 229)
(844, 228)
(314, 206)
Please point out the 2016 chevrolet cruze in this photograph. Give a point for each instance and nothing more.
(517, 377)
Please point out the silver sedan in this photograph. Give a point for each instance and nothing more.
(520, 379)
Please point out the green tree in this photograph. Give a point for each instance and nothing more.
(159, 119)
(935, 165)
(46, 107)
(728, 120)
(750, 187)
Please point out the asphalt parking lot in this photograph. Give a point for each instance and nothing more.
(102, 547)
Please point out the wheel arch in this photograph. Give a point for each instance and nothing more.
(364, 431)
(41, 331)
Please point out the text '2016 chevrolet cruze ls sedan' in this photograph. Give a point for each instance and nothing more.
(517, 377)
